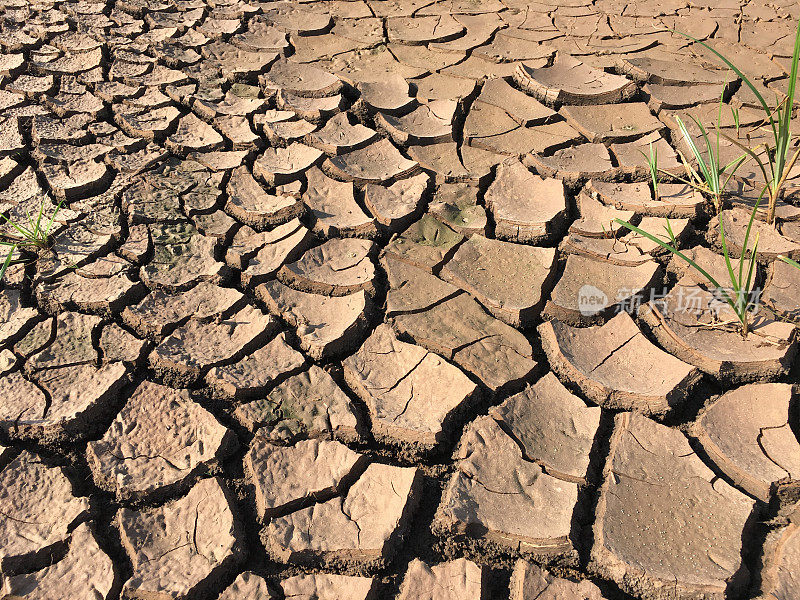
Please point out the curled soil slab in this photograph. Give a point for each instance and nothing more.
(338, 136)
(157, 444)
(182, 258)
(668, 72)
(99, 295)
(15, 318)
(326, 325)
(333, 207)
(771, 244)
(553, 427)
(612, 122)
(308, 404)
(251, 204)
(302, 80)
(459, 579)
(686, 323)
(632, 157)
(287, 130)
(574, 164)
(77, 180)
(378, 162)
(673, 201)
(71, 343)
(193, 135)
(459, 329)
(282, 165)
(781, 559)
(688, 533)
(237, 130)
(397, 205)
(411, 289)
(422, 30)
(40, 507)
(570, 81)
(671, 97)
(260, 256)
(526, 207)
(192, 349)
(360, 530)
(248, 585)
(73, 247)
(531, 581)
(321, 586)
(753, 444)
(159, 313)
(589, 289)
(427, 124)
(498, 497)
(336, 268)
(598, 360)
(287, 478)
(389, 95)
(184, 547)
(312, 109)
(599, 220)
(394, 378)
(631, 250)
(451, 164)
(778, 293)
(490, 128)
(78, 396)
(85, 572)
(255, 372)
(518, 106)
(336, 225)
(510, 280)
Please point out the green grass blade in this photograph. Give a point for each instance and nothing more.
(750, 153)
(741, 76)
(789, 261)
(7, 262)
(673, 250)
(753, 262)
(695, 150)
(683, 257)
(747, 231)
(734, 283)
(24, 232)
(670, 233)
(792, 80)
(52, 220)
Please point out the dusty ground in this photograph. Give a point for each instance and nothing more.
(332, 307)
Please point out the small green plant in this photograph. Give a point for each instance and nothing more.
(33, 237)
(740, 295)
(710, 177)
(779, 163)
(652, 164)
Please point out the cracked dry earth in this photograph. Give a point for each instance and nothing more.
(310, 326)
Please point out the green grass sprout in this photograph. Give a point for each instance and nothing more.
(739, 295)
(778, 159)
(32, 237)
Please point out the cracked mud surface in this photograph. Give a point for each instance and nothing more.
(330, 305)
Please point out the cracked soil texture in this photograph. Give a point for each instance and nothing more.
(331, 304)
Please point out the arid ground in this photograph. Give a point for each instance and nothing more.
(330, 302)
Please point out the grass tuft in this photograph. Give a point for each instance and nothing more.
(31, 237)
